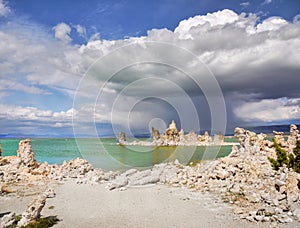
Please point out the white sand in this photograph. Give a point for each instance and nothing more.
(151, 206)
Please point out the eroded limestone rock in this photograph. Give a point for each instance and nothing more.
(7, 220)
(245, 178)
(122, 138)
(33, 211)
(155, 134)
(279, 137)
(292, 138)
(26, 154)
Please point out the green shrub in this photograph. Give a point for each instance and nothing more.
(291, 160)
(296, 165)
(281, 157)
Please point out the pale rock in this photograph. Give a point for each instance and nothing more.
(292, 138)
(155, 134)
(26, 154)
(250, 218)
(279, 137)
(259, 218)
(296, 213)
(49, 193)
(8, 220)
(222, 174)
(118, 182)
(33, 211)
(122, 138)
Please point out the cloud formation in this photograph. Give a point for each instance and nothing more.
(267, 2)
(252, 60)
(255, 62)
(62, 32)
(4, 9)
(270, 110)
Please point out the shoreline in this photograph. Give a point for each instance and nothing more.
(197, 144)
(243, 181)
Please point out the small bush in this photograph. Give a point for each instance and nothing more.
(291, 160)
(40, 223)
(296, 165)
(44, 222)
(281, 157)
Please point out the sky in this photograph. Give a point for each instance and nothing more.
(89, 68)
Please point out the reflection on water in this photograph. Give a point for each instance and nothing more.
(107, 155)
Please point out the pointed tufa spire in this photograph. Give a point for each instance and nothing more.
(172, 125)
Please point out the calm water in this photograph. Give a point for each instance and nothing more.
(104, 153)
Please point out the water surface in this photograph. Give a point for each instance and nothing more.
(104, 153)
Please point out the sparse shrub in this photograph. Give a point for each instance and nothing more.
(296, 165)
(282, 157)
(291, 160)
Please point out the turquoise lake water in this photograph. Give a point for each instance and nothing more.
(105, 154)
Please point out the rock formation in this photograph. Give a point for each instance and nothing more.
(245, 179)
(155, 134)
(191, 137)
(25, 154)
(33, 211)
(279, 137)
(8, 220)
(218, 138)
(204, 138)
(292, 138)
(122, 138)
(26, 169)
(171, 136)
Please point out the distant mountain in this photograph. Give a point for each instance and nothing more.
(257, 129)
(269, 129)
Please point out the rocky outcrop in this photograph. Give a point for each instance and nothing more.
(155, 134)
(26, 154)
(245, 179)
(8, 220)
(191, 137)
(31, 214)
(173, 137)
(122, 138)
(205, 137)
(292, 138)
(33, 211)
(158, 174)
(24, 169)
(279, 137)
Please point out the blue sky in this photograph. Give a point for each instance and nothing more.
(49, 87)
(118, 19)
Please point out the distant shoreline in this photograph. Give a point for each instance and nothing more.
(229, 133)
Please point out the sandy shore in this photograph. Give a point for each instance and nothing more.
(148, 206)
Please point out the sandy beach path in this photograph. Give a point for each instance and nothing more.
(151, 206)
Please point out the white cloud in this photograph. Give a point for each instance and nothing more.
(33, 62)
(242, 54)
(269, 110)
(4, 9)
(211, 20)
(19, 113)
(62, 32)
(271, 24)
(267, 2)
(245, 57)
(296, 19)
(80, 30)
(245, 4)
(6, 84)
